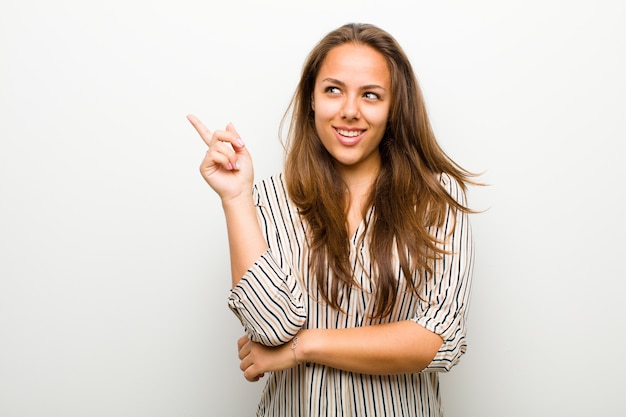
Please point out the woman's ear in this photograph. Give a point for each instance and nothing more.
(312, 104)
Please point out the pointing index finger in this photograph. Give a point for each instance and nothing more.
(204, 132)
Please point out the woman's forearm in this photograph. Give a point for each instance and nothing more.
(400, 347)
(245, 240)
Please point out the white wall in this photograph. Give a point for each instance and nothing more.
(113, 271)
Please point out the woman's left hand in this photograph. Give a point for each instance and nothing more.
(256, 359)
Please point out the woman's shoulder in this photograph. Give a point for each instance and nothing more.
(271, 188)
(447, 181)
(452, 186)
(272, 181)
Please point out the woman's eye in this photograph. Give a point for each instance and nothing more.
(332, 90)
(371, 96)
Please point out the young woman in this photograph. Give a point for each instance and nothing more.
(352, 268)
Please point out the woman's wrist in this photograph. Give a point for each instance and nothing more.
(294, 347)
(239, 201)
(301, 347)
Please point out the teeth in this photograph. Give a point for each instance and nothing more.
(349, 133)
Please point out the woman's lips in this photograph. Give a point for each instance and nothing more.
(349, 137)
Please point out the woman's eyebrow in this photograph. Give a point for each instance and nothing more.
(364, 87)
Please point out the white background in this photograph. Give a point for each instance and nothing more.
(113, 258)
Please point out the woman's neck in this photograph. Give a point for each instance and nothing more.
(360, 181)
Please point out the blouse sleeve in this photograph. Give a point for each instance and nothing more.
(446, 292)
(268, 300)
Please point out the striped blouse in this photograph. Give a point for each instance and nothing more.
(277, 297)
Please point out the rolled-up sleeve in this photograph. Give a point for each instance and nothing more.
(268, 303)
(268, 300)
(446, 292)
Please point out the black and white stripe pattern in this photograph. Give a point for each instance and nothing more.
(277, 297)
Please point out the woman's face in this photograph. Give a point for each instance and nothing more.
(351, 101)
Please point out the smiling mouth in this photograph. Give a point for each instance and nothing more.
(349, 133)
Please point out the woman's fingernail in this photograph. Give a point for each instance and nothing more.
(230, 166)
(240, 142)
(237, 165)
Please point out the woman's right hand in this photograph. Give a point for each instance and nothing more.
(227, 166)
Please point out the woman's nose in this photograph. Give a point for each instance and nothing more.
(350, 108)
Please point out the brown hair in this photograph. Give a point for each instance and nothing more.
(407, 195)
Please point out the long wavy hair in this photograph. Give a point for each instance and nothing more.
(407, 195)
